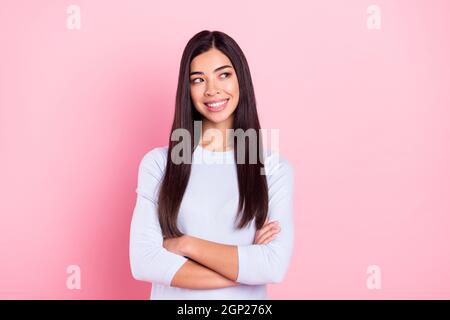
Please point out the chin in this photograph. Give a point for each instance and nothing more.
(217, 119)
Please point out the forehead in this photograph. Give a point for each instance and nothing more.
(209, 60)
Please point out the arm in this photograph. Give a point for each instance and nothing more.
(221, 258)
(268, 263)
(148, 259)
(196, 276)
(255, 263)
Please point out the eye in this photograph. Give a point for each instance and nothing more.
(226, 73)
(194, 80)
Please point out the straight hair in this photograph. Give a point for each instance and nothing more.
(253, 189)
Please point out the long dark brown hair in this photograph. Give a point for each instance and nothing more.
(253, 190)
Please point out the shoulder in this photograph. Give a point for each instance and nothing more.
(155, 159)
(276, 165)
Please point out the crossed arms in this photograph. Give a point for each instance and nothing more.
(194, 263)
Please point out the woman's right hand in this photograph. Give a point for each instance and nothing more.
(267, 233)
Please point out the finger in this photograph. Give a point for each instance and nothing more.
(266, 222)
(268, 234)
(264, 228)
(268, 240)
(268, 228)
(265, 239)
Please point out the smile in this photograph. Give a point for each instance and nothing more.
(217, 106)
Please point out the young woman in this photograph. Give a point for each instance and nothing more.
(212, 226)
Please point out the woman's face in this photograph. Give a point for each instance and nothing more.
(214, 86)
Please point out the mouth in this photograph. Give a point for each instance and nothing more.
(217, 106)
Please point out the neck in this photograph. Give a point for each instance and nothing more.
(215, 136)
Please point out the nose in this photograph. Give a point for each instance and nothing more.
(211, 89)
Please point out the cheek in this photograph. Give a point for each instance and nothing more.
(233, 88)
(196, 94)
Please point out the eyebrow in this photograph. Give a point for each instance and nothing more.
(219, 68)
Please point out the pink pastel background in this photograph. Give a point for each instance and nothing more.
(364, 116)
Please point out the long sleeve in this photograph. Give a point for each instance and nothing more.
(268, 263)
(149, 260)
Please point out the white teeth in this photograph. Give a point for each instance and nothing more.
(217, 104)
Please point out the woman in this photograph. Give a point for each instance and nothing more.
(202, 227)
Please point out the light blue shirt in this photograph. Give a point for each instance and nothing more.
(208, 211)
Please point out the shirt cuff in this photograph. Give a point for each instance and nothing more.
(176, 263)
